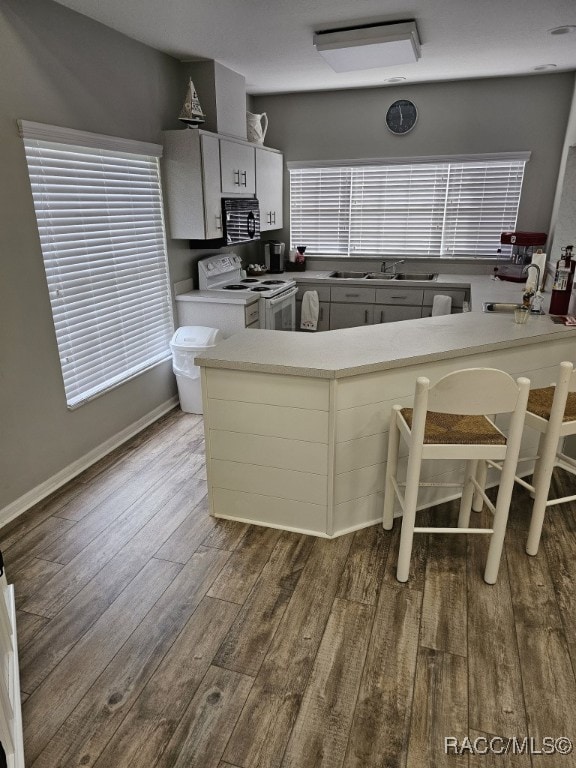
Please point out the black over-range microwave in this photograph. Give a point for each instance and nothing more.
(241, 217)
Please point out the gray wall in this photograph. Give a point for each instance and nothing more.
(61, 68)
(496, 115)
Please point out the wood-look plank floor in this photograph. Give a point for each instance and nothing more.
(151, 634)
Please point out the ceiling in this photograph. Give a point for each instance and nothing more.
(270, 41)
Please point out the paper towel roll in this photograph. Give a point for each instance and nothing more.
(540, 260)
(442, 305)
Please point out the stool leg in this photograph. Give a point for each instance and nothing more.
(499, 523)
(478, 501)
(538, 464)
(409, 516)
(470, 471)
(391, 471)
(541, 483)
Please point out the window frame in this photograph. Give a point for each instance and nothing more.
(107, 240)
(356, 166)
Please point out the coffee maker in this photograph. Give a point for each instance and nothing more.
(274, 256)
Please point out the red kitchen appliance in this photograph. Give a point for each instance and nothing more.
(523, 244)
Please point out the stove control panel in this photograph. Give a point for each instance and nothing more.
(220, 265)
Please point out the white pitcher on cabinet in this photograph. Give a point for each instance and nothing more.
(256, 127)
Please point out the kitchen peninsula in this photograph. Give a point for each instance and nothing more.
(296, 424)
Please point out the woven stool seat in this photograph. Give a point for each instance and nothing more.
(540, 403)
(551, 411)
(452, 420)
(452, 429)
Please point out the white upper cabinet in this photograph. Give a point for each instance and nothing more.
(191, 175)
(269, 180)
(210, 153)
(199, 168)
(237, 168)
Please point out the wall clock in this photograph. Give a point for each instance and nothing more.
(401, 116)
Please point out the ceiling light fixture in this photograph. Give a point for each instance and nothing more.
(565, 30)
(370, 46)
(544, 67)
(395, 80)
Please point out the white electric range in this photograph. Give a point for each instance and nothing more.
(231, 302)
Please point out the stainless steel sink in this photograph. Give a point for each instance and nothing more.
(380, 276)
(348, 275)
(416, 275)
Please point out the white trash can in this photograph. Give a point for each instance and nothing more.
(186, 343)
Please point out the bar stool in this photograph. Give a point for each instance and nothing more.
(450, 421)
(552, 412)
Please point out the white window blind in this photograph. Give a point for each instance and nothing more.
(423, 209)
(99, 214)
(481, 202)
(320, 209)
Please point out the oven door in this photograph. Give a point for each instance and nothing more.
(279, 313)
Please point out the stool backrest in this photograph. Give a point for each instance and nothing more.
(566, 383)
(473, 392)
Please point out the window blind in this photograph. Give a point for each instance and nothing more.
(99, 215)
(423, 209)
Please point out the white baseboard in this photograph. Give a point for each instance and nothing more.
(20, 505)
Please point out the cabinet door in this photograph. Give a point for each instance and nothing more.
(391, 313)
(237, 168)
(323, 315)
(183, 185)
(350, 315)
(269, 170)
(211, 184)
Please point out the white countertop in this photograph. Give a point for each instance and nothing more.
(482, 287)
(217, 297)
(351, 351)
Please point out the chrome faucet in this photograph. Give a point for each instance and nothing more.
(537, 268)
(385, 267)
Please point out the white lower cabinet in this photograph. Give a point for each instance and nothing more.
(392, 314)
(323, 315)
(10, 711)
(350, 315)
(352, 305)
(229, 318)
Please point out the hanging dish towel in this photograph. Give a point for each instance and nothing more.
(310, 306)
(442, 305)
